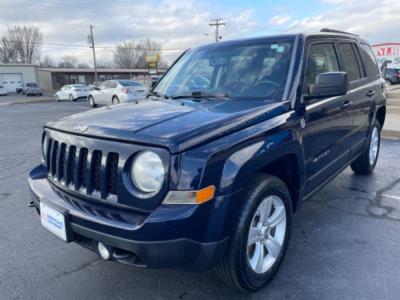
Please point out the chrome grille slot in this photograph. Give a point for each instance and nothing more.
(89, 172)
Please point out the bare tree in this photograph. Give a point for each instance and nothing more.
(126, 55)
(83, 66)
(47, 62)
(8, 53)
(27, 41)
(68, 61)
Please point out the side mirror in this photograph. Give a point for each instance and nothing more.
(329, 84)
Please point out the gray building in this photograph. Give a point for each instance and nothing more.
(54, 78)
(13, 76)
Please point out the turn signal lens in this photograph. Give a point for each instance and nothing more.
(205, 194)
(190, 197)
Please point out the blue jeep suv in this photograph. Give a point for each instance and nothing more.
(207, 171)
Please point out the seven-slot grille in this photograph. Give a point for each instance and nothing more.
(90, 172)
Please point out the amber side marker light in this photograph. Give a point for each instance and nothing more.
(190, 197)
(205, 194)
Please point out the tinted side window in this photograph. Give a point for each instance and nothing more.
(112, 84)
(370, 61)
(321, 58)
(350, 61)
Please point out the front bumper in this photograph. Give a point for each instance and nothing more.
(162, 239)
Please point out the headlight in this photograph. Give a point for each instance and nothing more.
(147, 172)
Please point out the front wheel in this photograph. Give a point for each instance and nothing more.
(71, 98)
(261, 236)
(365, 164)
(57, 98)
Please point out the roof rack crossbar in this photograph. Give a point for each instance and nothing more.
(337, 31)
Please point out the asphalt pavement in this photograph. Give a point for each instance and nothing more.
(345, 242)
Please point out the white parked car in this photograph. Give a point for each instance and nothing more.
(72, 92)
(117, 91)
(3, 91)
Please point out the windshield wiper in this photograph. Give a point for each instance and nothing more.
(202, 95)
(157, 94)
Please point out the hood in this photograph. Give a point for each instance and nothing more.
(174, 124)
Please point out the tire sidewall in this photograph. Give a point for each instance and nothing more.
(251, 279)
(115, 100)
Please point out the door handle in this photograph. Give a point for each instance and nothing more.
(370, 93)
(346, 103)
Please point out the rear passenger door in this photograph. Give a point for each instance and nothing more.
(361, 93)
(326, 136)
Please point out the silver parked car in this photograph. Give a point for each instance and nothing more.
(117, 91)
(72, 92)
(32, 88)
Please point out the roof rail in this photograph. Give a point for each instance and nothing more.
(337, 31)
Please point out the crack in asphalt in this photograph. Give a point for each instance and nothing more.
(372, 204)
(4, 196)
(77, 269)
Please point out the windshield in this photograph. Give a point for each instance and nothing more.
(129, 83)
(253, 71)
(32, 85)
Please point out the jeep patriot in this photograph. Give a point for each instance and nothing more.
(207, 171)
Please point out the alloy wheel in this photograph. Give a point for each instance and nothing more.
(373, 146)
(266, 234)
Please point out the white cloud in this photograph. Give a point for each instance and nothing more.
(279, 20)
(372, 19)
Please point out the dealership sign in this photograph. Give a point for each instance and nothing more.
(388, 52)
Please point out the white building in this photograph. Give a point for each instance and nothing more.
(13, 76)
(389, 53)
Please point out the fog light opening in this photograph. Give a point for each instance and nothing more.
(104, 251)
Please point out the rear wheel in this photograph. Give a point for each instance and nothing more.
(91, 101)
(261, 236)
(71, 98)
(57, 99)
(366, 163)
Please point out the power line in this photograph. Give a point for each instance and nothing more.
(97, 46)
(217, 22)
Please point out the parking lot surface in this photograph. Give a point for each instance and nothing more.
(345, 241)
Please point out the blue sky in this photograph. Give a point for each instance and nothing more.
(180, 24)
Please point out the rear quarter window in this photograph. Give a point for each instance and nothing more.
(350, 61)
(370, 61)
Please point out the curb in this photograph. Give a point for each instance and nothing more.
(31, 101)
(391, 134)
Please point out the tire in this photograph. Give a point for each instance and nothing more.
(366, 162)
(71, 98)
(57, 99)
(388, 82)
(237, 267)
(91, 101)
(115, 100)
(41, 94)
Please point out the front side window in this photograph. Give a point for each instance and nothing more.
(350, 61)
(321, 58)
(244, 71)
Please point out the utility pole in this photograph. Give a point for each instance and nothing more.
(217, 22)
(91, 40)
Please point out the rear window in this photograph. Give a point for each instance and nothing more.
(129, 83)
(350, 61)
(370, 61)
(31, 84)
